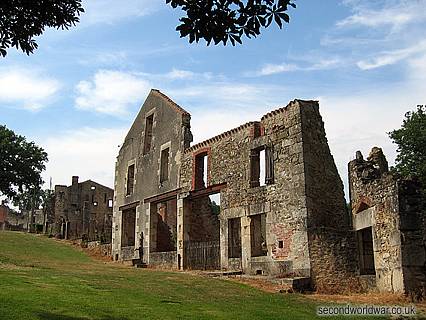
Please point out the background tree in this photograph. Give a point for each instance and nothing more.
(21, 164)
(223, 20)
(22, 20)
(411, 141)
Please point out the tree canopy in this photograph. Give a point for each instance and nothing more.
(215, 21)
(22, 20)
(411, 142)
(21, 164)
(222, 20)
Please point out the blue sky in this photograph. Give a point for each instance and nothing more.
(76, 96)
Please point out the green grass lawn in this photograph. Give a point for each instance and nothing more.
(41, 278)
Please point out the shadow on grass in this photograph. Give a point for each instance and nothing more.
(53, 316)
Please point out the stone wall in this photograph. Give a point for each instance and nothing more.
(394, 209)
(170, 129)
(331, 239)
(303, 201)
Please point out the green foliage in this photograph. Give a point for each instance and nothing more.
(21, 164)
(223, 20)
(215, 208)
(411, 141)
(22, 20)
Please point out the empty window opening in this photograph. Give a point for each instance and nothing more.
(262, 172)
(163, 226)
(366, 252)
(128, 228)
(259, 272)
(201, 169)
(164, 165)
(261, 166)
(92, 188)
(258, 235)
(95, 203)
(93, 198)
(234, 238)
(130, 179)
(149, 121)
(280, 244)
(105, 198)
(110, 203)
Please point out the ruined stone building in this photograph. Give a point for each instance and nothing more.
(388, 217)
(282, 206)
(83, 210)
(282, 210)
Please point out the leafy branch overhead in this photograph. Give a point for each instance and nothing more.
(222, 20)
(22, 20)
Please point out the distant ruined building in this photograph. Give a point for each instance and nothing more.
(282, 206)
(83, 210)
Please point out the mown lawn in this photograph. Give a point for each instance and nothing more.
(41, 278)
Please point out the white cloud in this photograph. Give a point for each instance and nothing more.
(392, 57)
(111, 92)
(309, 63)
(180, 74)
(269, 69)
(26, 88)
(110, 11)
(85, 152)
(396, 14)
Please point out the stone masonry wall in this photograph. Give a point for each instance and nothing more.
(282, 201)
(396, 217)
(332, 244)
(171, 129)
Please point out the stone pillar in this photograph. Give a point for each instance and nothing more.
(183, 215)
(224, 243)
(147, 237)
(245, 243)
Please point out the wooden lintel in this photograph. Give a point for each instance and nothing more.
(162, 197)
(129, 206)
(208, 191)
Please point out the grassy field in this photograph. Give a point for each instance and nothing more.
(41, 278)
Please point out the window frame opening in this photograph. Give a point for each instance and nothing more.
(130, 179)
(164, 164)
(149, 124)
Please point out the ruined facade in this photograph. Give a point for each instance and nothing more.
(83, 210)
(388, 215)
(282, 207)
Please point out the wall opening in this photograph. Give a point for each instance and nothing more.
(164, 165)
(128, 225)
(130, 179)
(163, 226)
(261, 167)
(366, 252)
(202, 246)
(258, 235)
(201, 169)
(149, 122)
(234, 238)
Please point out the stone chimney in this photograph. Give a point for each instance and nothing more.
(75, 180)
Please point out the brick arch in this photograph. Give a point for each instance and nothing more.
(362, 204)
